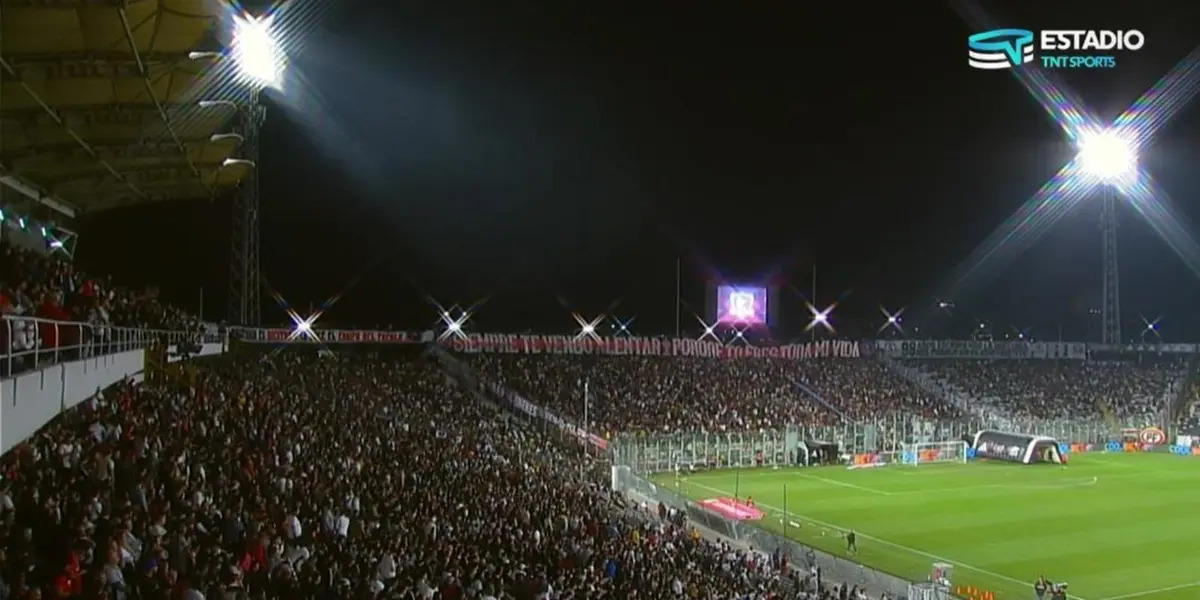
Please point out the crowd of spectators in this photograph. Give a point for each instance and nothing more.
(672, 394)
(1132, 392)
(297, 476)
(1189, 414)
(44, 286)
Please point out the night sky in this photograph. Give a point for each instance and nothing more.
(560, 156)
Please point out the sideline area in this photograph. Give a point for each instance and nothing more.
(1001, 525)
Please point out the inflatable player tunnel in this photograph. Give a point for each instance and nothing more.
(1016, 447)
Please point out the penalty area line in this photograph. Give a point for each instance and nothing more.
(788, 514)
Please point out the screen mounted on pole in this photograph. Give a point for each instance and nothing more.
(741, 305)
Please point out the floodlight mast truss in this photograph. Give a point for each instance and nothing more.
(1110, 309)
(245, 279)
(259, 63)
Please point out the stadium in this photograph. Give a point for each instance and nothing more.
(151, 453)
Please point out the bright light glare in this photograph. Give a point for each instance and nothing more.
(820, 318)
(587, 329)
(304, 327)
(1107, 155)
(258, 56)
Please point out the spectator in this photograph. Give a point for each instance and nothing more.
(1134, 393)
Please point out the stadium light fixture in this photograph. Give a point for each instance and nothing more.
(739, 335)
(220, 137)
(820, 317)
(710, 331)
(256, 51)
(230, 104)
(238, 162)
(892, 320)
(1107, 156)
(623, 327)
(1151, 327)
(454, 326)
(303, 326)
(587, 329)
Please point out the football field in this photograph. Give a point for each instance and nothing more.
(1113, 526)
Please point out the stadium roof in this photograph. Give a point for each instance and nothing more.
(99, 104)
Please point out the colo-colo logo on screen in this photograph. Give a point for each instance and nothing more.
(1055, 48)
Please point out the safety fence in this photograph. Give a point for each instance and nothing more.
(770, 447)
(30, 343)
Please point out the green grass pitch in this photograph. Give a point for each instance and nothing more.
(1114, 526)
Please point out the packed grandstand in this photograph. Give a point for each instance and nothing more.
(298, 473)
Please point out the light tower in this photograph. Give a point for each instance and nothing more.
(259, 62)
(1111, 160)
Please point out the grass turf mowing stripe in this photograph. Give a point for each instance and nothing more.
(1022, 584)
(1182, 586)
(1113, 525)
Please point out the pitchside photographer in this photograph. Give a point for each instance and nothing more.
(1047, 590)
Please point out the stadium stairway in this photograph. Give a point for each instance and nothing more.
(927, 383)
(945, 392)
(1109, 417)
(815, 396)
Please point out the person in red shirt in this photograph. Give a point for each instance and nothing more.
(70, 582)
(55, 336)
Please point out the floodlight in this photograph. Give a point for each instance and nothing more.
(587, 329)
(256, 53)
(820, 318)
(710, 330)
(1107, 155)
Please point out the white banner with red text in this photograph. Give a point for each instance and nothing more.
(520, 343)
(329, 336)
(503, 343)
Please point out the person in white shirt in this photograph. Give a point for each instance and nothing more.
(292, 527)
(386, 570)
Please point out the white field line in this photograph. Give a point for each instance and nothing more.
(1065, 484)
(1182, 586)
(844, 484)
(898, 546)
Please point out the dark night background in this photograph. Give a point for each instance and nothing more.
(533, 151)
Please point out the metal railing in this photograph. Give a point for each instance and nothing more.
(31, 343)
